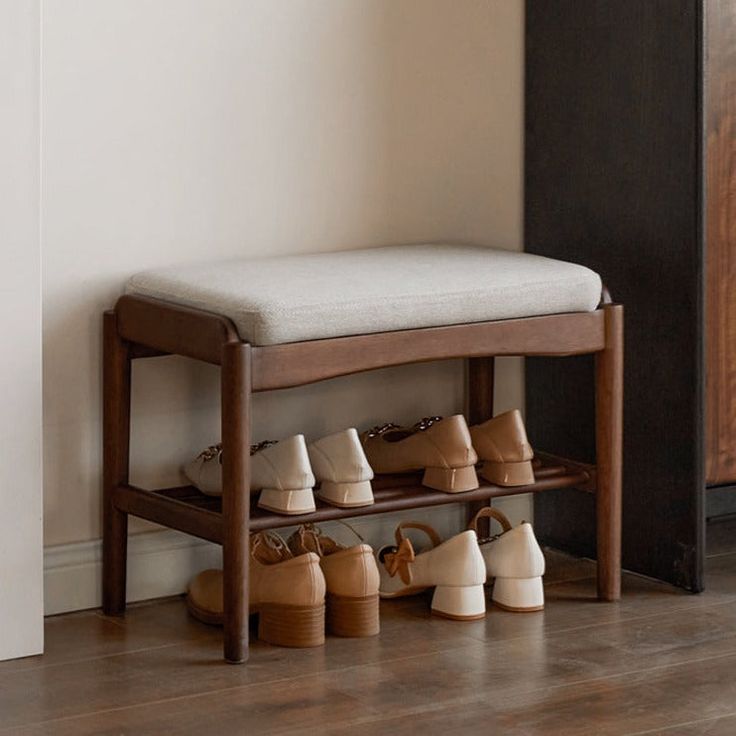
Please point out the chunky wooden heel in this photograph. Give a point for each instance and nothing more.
(292, 626)
(508, 474)
(352, 616)
(462, 603)
(451, 480)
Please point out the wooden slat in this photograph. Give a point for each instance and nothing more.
(171, 328)
(411, 497)
(171, 512)
(188, 510)
(296, 364)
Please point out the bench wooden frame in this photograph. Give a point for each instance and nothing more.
(140, 327)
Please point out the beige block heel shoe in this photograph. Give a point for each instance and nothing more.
(504, 450)
(286, 591)
(442, 448)
(515, 561)
(342, 470)
(508, 474)
(351, 577)
(279, 470)
(289, 503)
(454, 568)
(451, 480)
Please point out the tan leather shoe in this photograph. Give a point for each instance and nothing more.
(351, 575)
(340, 466)
(440, 447)
(454, 568)
(279, 470)
(504, 450)
(287, 592)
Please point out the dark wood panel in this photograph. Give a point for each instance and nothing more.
(720, 231)
(613, 181)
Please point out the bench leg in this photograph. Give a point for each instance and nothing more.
(116, 445)
(479, 403)
(235, 415)
(609, 433)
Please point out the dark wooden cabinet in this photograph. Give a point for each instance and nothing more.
(614, 161)
(720, 241)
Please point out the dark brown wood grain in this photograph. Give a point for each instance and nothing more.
(116, 371)
(720, 235)
(184, 512)
(609, 387)
(479, 383)
(613, 181)
(164, 328)
(296, 364)
(236, 421)
(658, 662)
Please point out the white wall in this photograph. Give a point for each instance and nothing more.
(21, 603)
(179, 130)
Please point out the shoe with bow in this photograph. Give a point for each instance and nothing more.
(455, 569)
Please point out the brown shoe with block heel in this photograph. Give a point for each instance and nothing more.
(504, 450)
(351, 575)
(442, 448)
(286, 591)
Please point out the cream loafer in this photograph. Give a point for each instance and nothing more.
(342, 470)
(455, 569)
(286, 591)
(279, 470)
(516, 561)
(440, 447)
(352, 579)
(504, 450)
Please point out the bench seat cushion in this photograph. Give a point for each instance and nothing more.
(306, 297)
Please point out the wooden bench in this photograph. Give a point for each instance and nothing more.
(142, 326)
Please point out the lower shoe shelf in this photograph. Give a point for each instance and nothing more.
(187, 509)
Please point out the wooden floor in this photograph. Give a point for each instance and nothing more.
(658, 662)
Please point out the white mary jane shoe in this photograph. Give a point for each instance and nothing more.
(279, 470)
(516, 561)
(342, 470)
(454, 568)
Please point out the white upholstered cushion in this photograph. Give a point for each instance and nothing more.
(307, 297)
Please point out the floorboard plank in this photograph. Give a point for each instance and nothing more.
(656, 659)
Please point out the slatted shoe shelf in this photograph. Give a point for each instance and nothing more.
(391, 493)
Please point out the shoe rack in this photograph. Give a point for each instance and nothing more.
(141, 328)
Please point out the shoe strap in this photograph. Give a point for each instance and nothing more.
(428, 530)
(272, 544)
(488, 512)
(313, 532)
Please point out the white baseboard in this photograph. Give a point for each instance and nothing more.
(161, 563)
